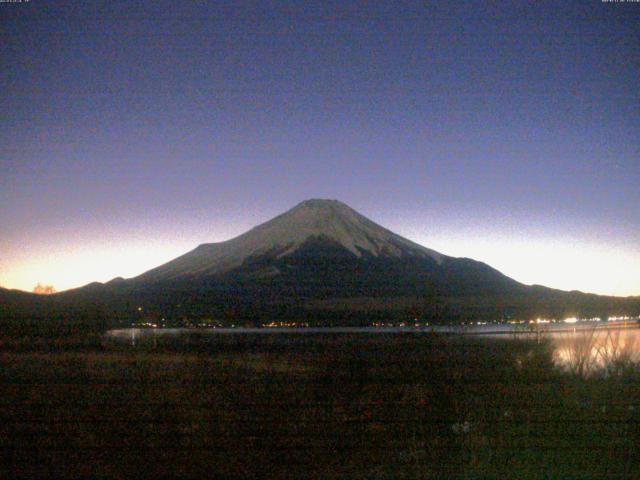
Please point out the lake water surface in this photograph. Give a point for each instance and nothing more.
(582, 345)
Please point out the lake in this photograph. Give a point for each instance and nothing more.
(584, 345)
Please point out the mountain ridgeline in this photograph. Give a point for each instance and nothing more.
(320, 263)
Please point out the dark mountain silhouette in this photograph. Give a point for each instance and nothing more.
(321, 263)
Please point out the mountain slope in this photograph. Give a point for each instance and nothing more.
(325, 262)
(322, 256)
(286, 233)
(322, 263)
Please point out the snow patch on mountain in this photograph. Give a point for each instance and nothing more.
(284, 234)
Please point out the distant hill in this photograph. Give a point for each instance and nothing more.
(322, 263)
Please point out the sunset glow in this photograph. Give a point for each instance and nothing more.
(462, 134)
(556, 263)
(319, 239)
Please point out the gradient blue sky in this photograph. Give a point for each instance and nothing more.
(508, 132)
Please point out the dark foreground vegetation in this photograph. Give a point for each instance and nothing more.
(314, 406)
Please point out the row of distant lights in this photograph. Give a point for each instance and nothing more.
(415, 324)
(569, 320)
(285, 324)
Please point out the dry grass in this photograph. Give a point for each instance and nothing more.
(596, 351)
(347, 406)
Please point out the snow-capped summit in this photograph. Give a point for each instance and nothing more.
(315, 219)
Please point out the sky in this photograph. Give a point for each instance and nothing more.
(507, 132)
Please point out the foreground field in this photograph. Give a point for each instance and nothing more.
(325, 406)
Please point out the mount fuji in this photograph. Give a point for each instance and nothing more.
(327, 223)
(320, 263)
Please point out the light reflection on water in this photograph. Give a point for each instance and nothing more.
(586, 350)
(580, 349)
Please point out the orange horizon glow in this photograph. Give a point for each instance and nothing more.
(555, 263)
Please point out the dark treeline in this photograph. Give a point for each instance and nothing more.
(99, 308)
(321, 284)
